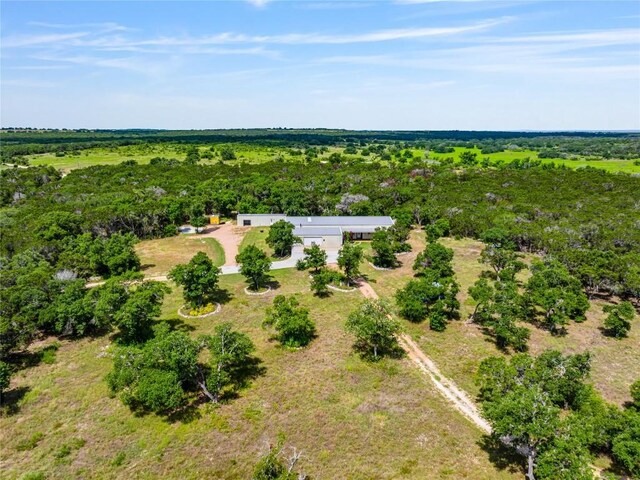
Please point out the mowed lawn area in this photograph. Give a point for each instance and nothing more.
(159, 256)
(459, 350)
(351, 419)
(257, 236)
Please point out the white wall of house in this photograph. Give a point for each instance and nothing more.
(332, 241)
(258, 220)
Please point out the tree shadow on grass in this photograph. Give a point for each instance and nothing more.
(272, 283)
(221, 296)
(179, 325)
(29, 359)
(501, 456)
(363, 278)
(617, 470)
(490, 337)
(242, 377)
(188, 413)
(363, 350)
(323, 294)
(11, 399)
(25, 359)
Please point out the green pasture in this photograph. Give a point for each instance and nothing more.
(263, 153)
(613, 165)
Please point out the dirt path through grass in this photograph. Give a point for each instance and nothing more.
(456, 396)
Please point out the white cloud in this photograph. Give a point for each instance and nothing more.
(619, 36)
(133, 64)
(27, 83)
(80, 39)
(103, 27)
(18, 41)
(36, 67)
(258, 3)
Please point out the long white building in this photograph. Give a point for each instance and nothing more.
(327, 232)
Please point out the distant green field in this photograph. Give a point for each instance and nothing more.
(144, 153)
(508, 156)
(260, 153)
(106, 156)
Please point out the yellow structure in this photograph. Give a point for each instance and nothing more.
(214, 219)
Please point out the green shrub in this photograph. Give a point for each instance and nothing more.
(66, 449)
(119, 459)
(49, 353)
(33, 476)
(30, 443)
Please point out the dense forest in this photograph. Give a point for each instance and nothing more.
(86, 222)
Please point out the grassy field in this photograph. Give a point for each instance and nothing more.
(144, 153)
(351, 419)
(107, 156)
(459, 350)
(161, 255)
(257, 236)
(510, 155)
(259, 153)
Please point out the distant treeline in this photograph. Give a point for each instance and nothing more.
(321, 136)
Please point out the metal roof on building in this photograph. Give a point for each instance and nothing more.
(342, 221)
(317, 231)
(264, 214)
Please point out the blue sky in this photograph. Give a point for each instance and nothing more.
(403, 64)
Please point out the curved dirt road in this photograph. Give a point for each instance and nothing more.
(230, 236)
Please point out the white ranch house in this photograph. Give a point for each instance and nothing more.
(326, 232)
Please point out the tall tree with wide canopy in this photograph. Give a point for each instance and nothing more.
(135, 318)
(534, 406)
(436, 258)
(314, 257)
(281, 238)
(374, 328)
(254, 265)
(556, 295)
(230, 352)
(292, 323)
(198, 278)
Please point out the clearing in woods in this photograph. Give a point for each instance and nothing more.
(159, 256)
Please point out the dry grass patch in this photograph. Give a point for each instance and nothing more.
(159, 256)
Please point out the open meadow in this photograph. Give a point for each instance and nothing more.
(350, 418)
(158, 257)
(255, 153)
